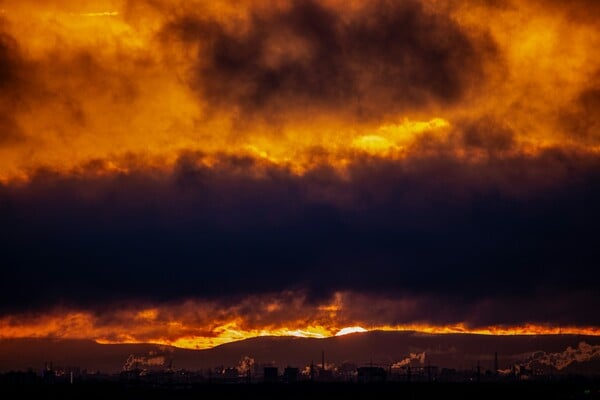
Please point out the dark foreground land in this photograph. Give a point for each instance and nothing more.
(585, 389)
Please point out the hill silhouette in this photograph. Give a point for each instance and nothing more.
(460, 351)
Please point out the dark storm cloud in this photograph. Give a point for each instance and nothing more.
(389, 57)
(556, 307)
(9, 61)
(432, 228)
(60, 89)
(580, 11)
(581, 121)
(10, 132)
(11, 83)
(487, 134)
(24, 86)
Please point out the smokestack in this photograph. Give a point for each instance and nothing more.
(323, 360)
(496, 363)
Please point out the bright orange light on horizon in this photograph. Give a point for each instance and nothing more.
(150, 326)
(313, 332)
(351, 329)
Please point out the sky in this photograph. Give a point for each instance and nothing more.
(198, 172)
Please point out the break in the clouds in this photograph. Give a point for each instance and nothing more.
(435, 160)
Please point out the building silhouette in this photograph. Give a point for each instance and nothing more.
(371, 374)
(290, 374)
(270, 374)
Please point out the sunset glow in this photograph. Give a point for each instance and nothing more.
(197, 325)
(350, 329)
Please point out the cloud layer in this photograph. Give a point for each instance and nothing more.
(307, 57)
(438, 161)
(432, 227)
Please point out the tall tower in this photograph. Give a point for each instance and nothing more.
(496, 363)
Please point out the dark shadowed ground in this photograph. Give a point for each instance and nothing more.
(571, 389)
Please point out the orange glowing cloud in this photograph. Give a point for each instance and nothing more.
(199, 325)
(146, 80)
